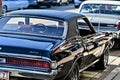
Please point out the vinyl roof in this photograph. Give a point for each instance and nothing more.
(45, 13)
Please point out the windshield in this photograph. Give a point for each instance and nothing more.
(101, 9)
(31, 25)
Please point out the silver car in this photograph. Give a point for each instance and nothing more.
(8, 5)
(104, 15)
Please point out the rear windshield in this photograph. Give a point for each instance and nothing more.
(31, 25)
(101, 9)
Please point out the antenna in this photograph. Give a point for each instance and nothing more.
(99, 20)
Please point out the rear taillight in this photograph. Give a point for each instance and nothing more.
(118, 26)
(27, 62)
(0, 2)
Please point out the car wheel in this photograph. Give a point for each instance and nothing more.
(48, 6)
(112, 42)
(67, 3)
(4, 9)
(118, 43)
(74, 74)
(60, 3)
(76, 6)
(103, 62)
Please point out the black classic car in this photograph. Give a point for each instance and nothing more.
(49, 44)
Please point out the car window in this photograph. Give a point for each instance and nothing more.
(101, 9)
(82, 24)
(83, 27)
(40, 26)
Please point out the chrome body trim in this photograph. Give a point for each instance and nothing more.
(24, 56)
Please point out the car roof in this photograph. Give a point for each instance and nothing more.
(45, 13)
(101, 2)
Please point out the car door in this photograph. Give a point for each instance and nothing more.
(94, 48)
(90, 41)
(8, 4)
(13, 4)
(23, 3)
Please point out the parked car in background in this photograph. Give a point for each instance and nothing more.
(8, 5)
(32, 3)
(47, 44)
(60, 2)
(77, 3)
(104, 15)
(46, 3)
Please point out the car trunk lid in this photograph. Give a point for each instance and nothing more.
(25, 46)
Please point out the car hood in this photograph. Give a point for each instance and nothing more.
(26, 46)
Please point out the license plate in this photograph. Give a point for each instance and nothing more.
(4, 75)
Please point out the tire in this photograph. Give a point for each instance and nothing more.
(112, 42)
(38, 6)
(4, 9)
(74, 74)
(118, 45)
(60, 3)
(67, 3)
(48, 6)
(76, 6)
(103, 62)
(118, 42)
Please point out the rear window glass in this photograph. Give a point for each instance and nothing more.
(101, 9)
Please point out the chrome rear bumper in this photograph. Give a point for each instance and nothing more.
(30, 74)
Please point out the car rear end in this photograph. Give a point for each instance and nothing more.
(27, 66)
(26, 57)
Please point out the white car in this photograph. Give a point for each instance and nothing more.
(8, 5)
(104, 15)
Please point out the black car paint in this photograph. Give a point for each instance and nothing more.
(75, 47)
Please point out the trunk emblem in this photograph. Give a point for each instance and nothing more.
(33, 52)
